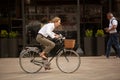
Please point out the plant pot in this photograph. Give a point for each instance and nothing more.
(100, 45)
(88, 46)
(13, 47)
(4, 48)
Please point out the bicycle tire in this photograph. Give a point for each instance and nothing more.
(24, 64)
(63, 64)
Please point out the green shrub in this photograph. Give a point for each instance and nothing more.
(99, 33)
(13, 34)
(3, 34)
(89, 33)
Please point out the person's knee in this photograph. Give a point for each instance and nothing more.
(52, 45)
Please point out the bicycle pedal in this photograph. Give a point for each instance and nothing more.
(48, 68)
(48, 64)
(39, 63)
(36, 63)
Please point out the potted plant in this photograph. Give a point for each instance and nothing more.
(88, 46)
(100, 42)
(99, 33)
(89, 33)
(3, 43)
(13, 44)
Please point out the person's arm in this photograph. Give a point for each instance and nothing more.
(114, 26)
(50, 32)
(110, 29)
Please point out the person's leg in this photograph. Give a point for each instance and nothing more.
(49, 45)
(116, 44)
(46, 43)
(40, 39)
(113, 46)
(117, 50)
(109, 44)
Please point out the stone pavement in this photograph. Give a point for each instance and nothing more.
(92, 68)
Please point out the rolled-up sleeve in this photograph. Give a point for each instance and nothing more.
(115, 22)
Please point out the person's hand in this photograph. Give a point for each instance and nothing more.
(57, 36)
(107, 29)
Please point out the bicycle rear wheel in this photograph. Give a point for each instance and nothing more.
(26, 62)
(68, 61)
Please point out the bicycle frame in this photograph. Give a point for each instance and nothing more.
(61, 42)
(37, 49)
(61, 49)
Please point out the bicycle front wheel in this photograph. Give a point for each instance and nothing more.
(26, 62)
(68, 61)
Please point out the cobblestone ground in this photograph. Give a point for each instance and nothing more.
(92, 68)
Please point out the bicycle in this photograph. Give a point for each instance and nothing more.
(67, 60)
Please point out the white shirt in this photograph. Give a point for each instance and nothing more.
(47, 30)
(112, 22)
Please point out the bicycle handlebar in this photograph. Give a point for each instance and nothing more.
(61, 37)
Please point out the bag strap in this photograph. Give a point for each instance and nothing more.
(112, 21)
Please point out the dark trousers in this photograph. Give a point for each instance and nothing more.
(113, 40)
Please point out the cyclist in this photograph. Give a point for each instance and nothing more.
(44, 32)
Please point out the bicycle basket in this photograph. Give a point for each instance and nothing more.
(69, 43)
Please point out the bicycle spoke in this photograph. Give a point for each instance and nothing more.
(66, 57)
(68, 61)
(26, 61)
